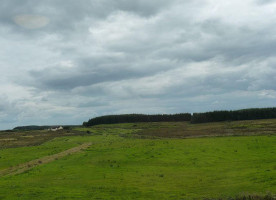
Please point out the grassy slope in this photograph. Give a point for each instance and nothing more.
(128, 168)
(186, 129)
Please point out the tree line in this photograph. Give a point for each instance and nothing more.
(31, 128)
(244, 114)
(131, 118)
(215, 116)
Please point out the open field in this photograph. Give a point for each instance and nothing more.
(144, 161)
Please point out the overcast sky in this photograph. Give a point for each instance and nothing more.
(65, 61)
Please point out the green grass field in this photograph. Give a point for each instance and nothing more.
(123, 163)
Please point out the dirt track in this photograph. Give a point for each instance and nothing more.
(44, 160)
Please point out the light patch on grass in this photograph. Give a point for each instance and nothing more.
(8, 139)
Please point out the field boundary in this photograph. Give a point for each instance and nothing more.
(40, 161)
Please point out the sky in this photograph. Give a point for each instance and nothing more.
(66, 61)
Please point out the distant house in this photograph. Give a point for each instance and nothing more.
(55, 128)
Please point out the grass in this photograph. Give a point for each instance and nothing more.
(121, 165)
(127, 168)
(14, 156)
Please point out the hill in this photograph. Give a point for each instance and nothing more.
(153, 160)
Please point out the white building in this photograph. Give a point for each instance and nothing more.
(56, 128)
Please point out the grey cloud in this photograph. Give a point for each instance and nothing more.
(265, 1)
(178, 85)
(100, 57)
(213, 38)
(89, 71)
(96, 103)
(70, 15)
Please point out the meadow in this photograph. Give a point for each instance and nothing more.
(175, 160)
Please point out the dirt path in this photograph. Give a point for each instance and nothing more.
(44, 160)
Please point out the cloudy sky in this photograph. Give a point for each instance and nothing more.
(65, 61)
